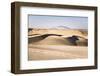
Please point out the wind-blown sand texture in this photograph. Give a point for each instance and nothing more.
(54, 44)
(49, 52)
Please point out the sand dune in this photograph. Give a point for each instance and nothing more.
(52, 40)
(55, 44)
(64, 32)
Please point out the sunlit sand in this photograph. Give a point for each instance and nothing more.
(57, 47)
(49, 52)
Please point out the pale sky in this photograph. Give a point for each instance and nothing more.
(57, 22)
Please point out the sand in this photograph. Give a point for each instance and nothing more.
(51, 40)
(65, 32)
(52, 52)
(56, 47)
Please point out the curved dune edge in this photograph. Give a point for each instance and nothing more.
(57, 40)
(56, 37)
(64, 32)
(53, 40)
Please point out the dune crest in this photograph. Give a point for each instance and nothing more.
(52, 40)
(64, 32)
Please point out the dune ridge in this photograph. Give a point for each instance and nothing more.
(64, 32)
(55, 39)
(45, 44)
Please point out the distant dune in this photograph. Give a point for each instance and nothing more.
(65, 32)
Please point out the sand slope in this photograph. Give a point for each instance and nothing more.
(52, 40)
(55, 40)
(49, 52)
(56, 47)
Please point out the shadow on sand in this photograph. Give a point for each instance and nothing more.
(73, 39)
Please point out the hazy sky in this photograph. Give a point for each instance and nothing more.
(58, 22)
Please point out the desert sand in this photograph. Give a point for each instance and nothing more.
(49, 52)
(65, 32)
(56, 47)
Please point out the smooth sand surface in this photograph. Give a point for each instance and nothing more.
(52, 52)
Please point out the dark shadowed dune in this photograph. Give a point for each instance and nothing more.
(55, 39)
(40, 37)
